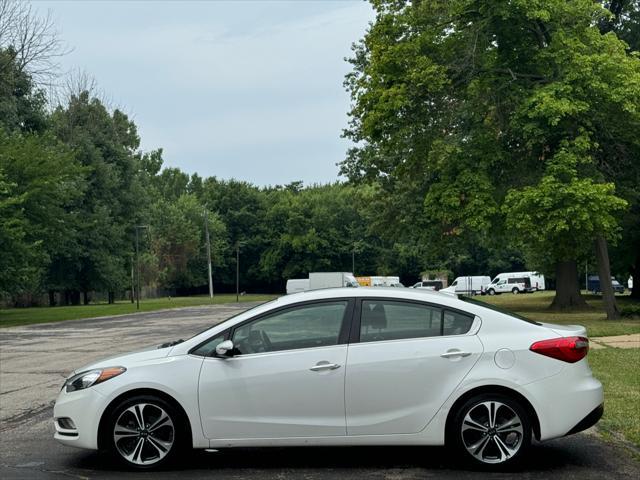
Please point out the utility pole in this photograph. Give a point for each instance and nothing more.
(138, 227)
(353, 261)
(237, 272)
(133, 288)
(206, 230)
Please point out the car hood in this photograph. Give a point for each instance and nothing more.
(126, 360)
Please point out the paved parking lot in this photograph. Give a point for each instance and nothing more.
(34, 360)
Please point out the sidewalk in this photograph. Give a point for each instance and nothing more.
(619, 341)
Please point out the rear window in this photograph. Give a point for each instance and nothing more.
(497, 309)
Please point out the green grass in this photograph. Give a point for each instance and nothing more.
(11, 317)
(619, 371)
(536, 307)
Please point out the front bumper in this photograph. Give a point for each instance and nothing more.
(83, 408)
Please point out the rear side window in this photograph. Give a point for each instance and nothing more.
(382, 320)
(454, 323)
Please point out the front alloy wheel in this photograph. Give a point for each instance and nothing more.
(492, 430)
(145, 432)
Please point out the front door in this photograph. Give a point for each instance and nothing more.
(286, 378)
(410, 357)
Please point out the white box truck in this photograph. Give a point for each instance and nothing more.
(296, 285)
(331, 280)
(469, 285)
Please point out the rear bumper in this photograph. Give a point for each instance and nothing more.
(588, 421)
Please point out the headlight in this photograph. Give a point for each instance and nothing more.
(92, 377)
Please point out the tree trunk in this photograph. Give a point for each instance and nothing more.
(604, 272)
(75, 297)
(567, 289)
(111, 297)
(52, 298)
(635, 273)
(67, 296)
(85, 298)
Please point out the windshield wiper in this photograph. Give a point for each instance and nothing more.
(170, 344)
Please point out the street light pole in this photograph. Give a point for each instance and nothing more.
(237, 272)
(137, 227)
(137, 271)
(206, 229)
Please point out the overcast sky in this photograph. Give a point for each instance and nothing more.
(244, 89)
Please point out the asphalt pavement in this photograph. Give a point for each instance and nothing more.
(34, 360)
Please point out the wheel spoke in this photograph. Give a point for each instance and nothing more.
(160, 422)
(492, 409)
(124, 432)
(477, 449)
(513, 425)
(505, 452)
(135, 410)
(161, 447)
(470, 424)
(134, 456)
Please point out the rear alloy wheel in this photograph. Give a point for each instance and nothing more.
(145, 432)
(491, 430)
(515, 291)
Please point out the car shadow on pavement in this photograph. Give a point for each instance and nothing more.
(334, 461)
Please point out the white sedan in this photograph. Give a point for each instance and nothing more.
(338, 367)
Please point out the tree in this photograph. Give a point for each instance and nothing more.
(456, 103)
(106, 144)
(39, 179)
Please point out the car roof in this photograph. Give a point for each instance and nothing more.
(394, 293)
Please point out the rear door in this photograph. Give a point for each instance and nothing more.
(405, 359)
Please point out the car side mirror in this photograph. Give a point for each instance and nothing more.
(223, 349)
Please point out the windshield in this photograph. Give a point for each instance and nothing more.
(496, 309)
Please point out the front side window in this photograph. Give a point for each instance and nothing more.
(307, 326)
(391, 320)
(207, 349)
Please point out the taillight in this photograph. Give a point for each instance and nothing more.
(567, 349)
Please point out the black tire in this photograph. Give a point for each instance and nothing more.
(494, 456)
(515, 291)
(491, 291)
(152, 447)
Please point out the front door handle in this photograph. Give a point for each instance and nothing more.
(321, 366)
(455, 353)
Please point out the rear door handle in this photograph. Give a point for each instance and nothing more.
(455, 353)
(321, 366)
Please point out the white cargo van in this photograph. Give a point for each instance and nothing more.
(331, 280)
(516, 282)
(469, 285)
(296, 285)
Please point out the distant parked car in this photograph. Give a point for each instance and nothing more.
(593, 284)
(514, 285)
(429, 285)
